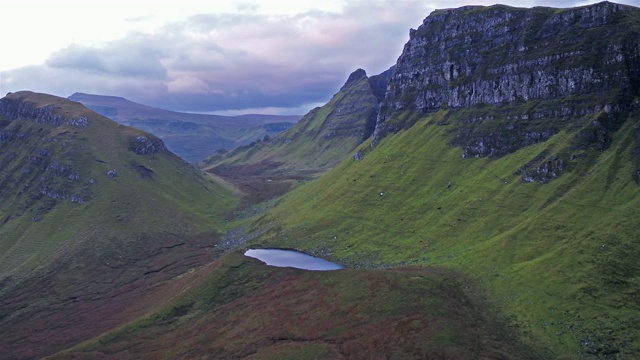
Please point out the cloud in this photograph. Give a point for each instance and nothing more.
(189, 84)
(130, 57)
(213, 62)
(80, 58)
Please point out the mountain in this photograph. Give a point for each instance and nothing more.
(492, 212)
(323, 138)
(507, 148)
(517, 65)
(96, 217)
(191, 136)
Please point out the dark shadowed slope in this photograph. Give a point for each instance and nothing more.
(242, 308)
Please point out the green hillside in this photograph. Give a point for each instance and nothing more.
(514, 162)
(560, 258)
(484, 195)
(89, 206)
(521, 173)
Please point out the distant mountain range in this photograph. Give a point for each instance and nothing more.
(190, 136)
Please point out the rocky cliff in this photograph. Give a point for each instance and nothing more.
(16, 108)
(513, 77)
(501, 55)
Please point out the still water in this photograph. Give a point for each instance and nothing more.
(291, 258)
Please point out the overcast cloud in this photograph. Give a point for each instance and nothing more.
(242, 61)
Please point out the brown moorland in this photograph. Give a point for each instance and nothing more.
(242, 308)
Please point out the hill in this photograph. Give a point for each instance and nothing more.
(191, 136)
(95, 217)
(323, 138)
(506, 148)
(491, 213)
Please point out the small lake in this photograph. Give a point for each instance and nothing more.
(291, 258)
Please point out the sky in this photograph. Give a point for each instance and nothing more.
(223, 57)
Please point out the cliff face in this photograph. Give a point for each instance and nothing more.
(15, 108)
(503, 57)
(497, 55)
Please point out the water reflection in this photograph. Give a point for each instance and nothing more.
(291, 258)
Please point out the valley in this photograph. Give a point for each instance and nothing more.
(482, 203)
(193, 137)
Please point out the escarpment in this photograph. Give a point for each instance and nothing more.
(16, 108)
(501, 56)
(512, 77)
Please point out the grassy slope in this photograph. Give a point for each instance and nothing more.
(175, 199)
(558, 258)
(241, 308)
(83, 269)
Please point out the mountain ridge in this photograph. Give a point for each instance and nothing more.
(191, 136)
(321, 139)
(535, 198)
(125, 104)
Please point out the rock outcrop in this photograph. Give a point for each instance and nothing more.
(146, 145)
(354, 113)
(18, 109)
